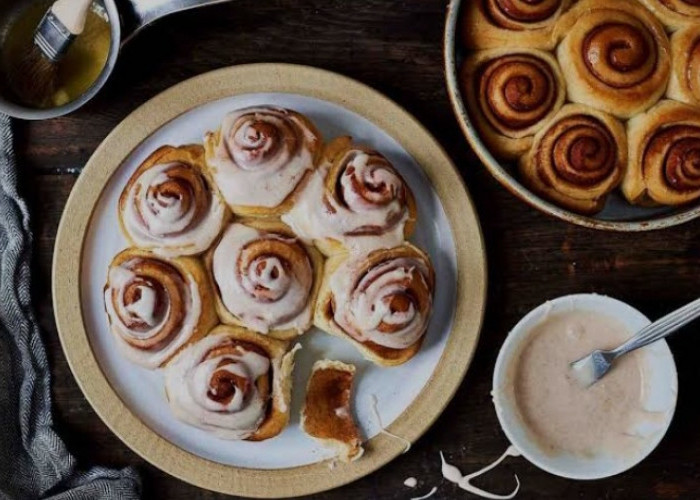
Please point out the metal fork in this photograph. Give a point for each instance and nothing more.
(590, 369)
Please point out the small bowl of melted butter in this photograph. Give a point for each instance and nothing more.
(574, 431)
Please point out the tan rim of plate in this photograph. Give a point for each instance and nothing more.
(502, 174)
(471, 283)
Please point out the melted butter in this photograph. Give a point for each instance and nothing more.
(76, 72)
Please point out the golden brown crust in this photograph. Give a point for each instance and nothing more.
(511, 93)
(211, 139)
(327, 413)
(191, 155)
(577, 159)
(324, 316)
(488, 24)
(664, 145)
(675, 14)
(614, 56)
(187, 267)
(273, 226)
(684, 84)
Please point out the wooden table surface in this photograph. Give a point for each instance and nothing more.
(394, 46)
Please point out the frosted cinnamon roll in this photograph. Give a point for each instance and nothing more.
(664, 150)
(381, 302)
(233, 383)
(265, 278)
(260, 156)
(356, 201)
(684, 84)
(156, 306)
(489, 24)
(577, 159)
(675, 14)
(170, 205)
(510, 94)
(614, 56)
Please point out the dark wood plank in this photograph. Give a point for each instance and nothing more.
(394, 46)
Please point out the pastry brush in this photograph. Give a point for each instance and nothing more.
(53, 36)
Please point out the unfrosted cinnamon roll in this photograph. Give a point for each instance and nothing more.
(510, 94)
(489, 24)
(170, 205)
(327, 414)
(614, 56)
(577, 159)
(233, 383)
(156, 305)
(355, 201)
(684, 85)
(381, 302)
(675, 14)
(260, 156)
(265, 278)
(664, 145)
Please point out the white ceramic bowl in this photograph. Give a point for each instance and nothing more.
(660, 391)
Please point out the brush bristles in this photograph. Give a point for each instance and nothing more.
(34, 78)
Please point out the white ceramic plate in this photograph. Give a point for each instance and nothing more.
(395, 388)
(659, 392)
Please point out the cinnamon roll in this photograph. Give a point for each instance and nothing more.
(327, 414)
(511, 93)
(684, 84)
(577, 159)
(614, 56)
(381, 302)
(355, 201)
(265, 279)
(233, 383)
(675, 14)
(488, 24)
(170, 205)
(260, 156)
(156, 306)
(664, 150)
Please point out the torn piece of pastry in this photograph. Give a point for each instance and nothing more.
(327, 414)
(234, 383)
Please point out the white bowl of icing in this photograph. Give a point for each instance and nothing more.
(658, 395)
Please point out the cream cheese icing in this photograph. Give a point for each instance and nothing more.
(169, 223)
(264, 291)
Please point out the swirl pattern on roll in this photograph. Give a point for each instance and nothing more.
(577, 159)
(675, 14)
(261, 154)
(170, 206)
(522, 14)
(384, 298)
(357, 199)
(154, 305)
(221, 384)
(265, 279)
(684, 85)
(615, 57)
(665, 155)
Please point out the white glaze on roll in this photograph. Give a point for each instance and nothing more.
(263, 291)
(144, 312)
(361, 223)
(191, 390)
(171, 224)
(261, 156)
(363, 301)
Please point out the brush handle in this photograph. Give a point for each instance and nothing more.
(72, 13)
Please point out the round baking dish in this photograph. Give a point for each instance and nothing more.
(618, 215)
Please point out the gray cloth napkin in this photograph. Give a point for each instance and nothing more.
(34, 461)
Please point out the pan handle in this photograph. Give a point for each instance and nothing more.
(137, 14)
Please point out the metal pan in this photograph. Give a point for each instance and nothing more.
(618, 215)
